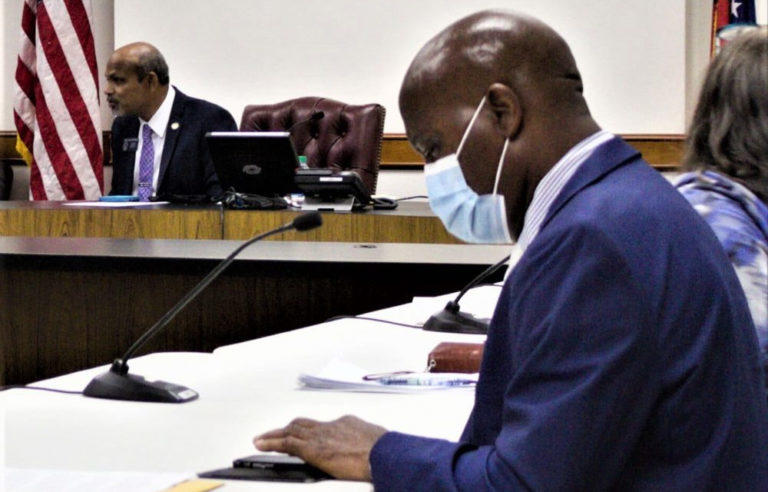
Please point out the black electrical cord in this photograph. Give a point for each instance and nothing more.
(21, 386)
(350, 316)
(410, 198)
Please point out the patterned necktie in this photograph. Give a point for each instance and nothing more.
(146, 164)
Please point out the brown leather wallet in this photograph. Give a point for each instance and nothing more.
(455, 357)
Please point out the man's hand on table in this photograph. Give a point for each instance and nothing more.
(341, 447)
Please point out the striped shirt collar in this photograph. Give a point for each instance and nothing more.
(554, 182)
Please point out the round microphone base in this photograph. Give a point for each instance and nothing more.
(456, 322)
(114, 386)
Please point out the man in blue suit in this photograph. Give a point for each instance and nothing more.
(158, 136)
(621, 353)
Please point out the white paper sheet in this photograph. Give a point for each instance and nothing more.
(35, 480)
(113, 204)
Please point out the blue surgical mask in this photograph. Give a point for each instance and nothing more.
(470, 217)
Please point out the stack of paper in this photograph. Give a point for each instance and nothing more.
(339, 375)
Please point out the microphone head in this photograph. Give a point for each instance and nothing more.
(317, 115)
(307, 221)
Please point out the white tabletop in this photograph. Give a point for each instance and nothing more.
(245, 389)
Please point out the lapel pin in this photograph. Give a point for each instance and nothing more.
(175, 125)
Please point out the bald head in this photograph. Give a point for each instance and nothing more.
(137, 80)
(144, 59)
(525, 73)
(463, 60)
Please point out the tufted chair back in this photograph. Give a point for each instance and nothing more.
(347, 138)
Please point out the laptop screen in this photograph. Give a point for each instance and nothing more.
(262, 163)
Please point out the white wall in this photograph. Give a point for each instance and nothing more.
(698, 32)
(10, 19)
(698, 29)
(761, 8)
(234, 52)
(642, 60)
(397, 183)
(256, 31)
(639, 58)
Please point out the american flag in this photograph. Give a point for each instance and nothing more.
(56, 108)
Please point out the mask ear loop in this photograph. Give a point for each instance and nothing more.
(501, 162)
(469, 127)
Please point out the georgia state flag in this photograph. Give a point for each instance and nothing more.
(734, 12)
(729, 17)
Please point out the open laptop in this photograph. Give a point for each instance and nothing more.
(261, 163)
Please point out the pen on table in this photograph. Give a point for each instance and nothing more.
(426, 381)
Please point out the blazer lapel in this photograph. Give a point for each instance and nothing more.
(604, 159)
(126, 153)
(172, 131)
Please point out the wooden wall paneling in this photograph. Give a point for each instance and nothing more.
(396, 150)
(63, 221)
(354, 227)
(62, 314)
(664, 152)
(412, 222)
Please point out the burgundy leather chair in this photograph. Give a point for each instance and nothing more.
(346, 138)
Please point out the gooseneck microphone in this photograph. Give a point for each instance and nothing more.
(452, 320)
(117, 384)
(315, 116)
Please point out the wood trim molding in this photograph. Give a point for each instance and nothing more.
(8, 147)
(664, 152)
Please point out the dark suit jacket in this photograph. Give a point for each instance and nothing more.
(186, 167)
(621, 356)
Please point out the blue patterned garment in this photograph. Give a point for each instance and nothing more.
(740, 221)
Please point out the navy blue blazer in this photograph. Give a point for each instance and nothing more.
(621, 356)
(186, 167)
